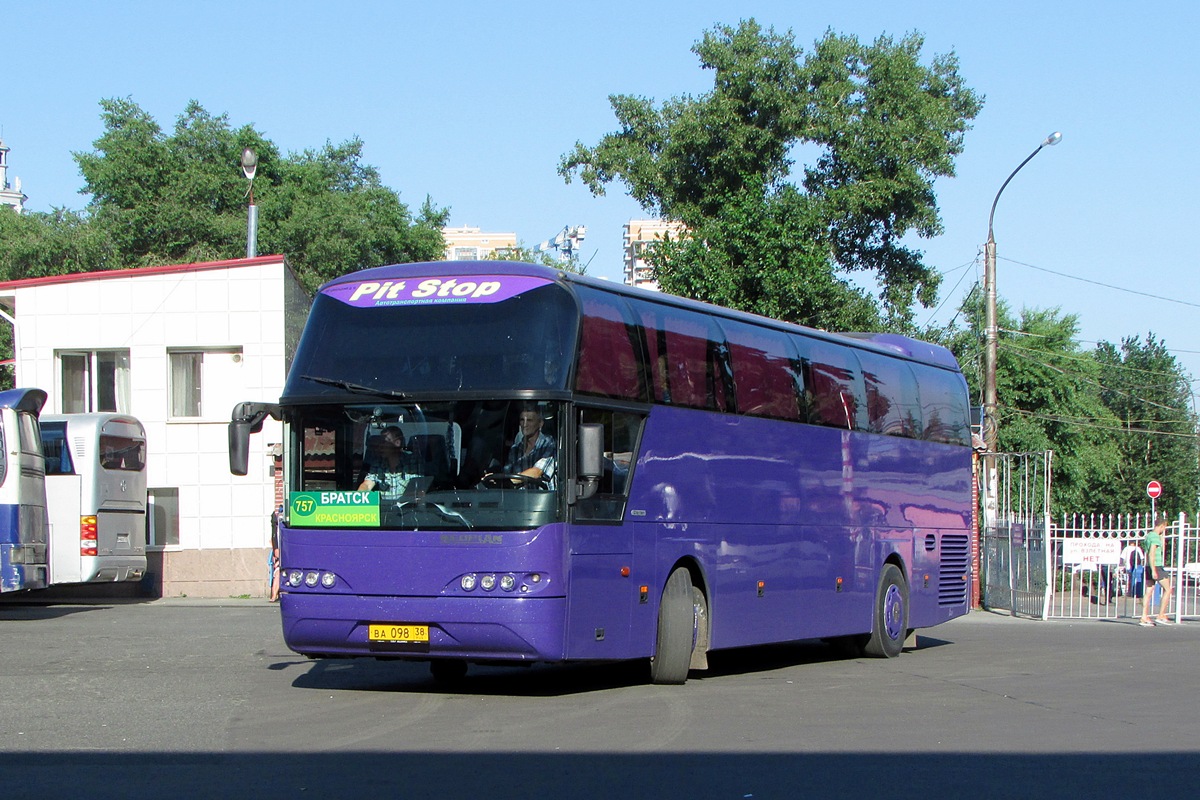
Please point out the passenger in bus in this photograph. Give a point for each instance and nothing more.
(533, 452)
(394, 469)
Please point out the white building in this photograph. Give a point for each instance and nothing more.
(10, 193)
(639, 234)
(176, 347)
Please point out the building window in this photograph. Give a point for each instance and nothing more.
(96, 380)
(466, 254)
(205, 383)
(163, 519)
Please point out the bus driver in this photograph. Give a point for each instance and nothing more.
(394, 469)
(533, 452)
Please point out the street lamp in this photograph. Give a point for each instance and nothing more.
(991, 422)
(249, 167)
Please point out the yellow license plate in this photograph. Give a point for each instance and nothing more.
(397, 632)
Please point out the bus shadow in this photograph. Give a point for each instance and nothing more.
(555, 680)
(26, 611)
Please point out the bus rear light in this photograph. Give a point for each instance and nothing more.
(88, 539)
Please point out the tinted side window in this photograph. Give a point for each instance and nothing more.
(54, 447)
(688, 357)
(944, 405)
(767, 380)
(892, 403)
(833, 386)
(610, 362)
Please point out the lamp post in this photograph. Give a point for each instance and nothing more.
(249, 167)
(991, 423)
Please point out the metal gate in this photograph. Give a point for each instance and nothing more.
(1015, 534)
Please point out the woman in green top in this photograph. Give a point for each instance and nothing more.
(1155, 573)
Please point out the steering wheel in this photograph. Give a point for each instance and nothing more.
(512, 480)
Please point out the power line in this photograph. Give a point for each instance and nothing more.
(1105, 285)
(1079, 422)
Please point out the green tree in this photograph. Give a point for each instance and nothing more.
(159, 198)
(884, 127)
(37, 244)
(1149, 394)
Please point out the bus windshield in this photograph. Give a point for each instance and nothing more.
(519, 336)
(451, 465)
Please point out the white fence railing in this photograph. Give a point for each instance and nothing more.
(1096, 567)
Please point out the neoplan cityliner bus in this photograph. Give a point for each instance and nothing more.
(719, 479)
(96, 488)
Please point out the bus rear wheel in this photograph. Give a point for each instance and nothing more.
(676, 630)
(890, 620)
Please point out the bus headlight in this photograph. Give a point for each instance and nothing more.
(295, 578)
(468, 582)
(508, 582)
(311, 578)
(487, 582)
(328, 579)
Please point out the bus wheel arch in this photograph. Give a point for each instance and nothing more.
(890, 613)
(682, 638)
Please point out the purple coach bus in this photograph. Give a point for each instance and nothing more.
(498, 462)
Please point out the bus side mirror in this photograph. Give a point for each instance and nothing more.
(591, 459)
(247, 418)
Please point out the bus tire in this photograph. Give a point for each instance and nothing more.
(890, 621)
(676, 631)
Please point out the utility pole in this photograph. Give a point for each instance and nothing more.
(991, 421)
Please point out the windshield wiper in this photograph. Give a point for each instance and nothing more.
(356, 388)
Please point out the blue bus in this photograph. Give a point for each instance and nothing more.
(23, 524)
(503, 463)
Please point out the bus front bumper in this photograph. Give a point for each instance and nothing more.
(477, 628)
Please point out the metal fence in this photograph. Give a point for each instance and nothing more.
(1096, 566)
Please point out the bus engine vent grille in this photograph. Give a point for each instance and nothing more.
(956, 563)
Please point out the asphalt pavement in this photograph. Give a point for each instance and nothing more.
(201, 698)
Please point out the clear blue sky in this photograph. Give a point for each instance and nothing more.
(473, 103)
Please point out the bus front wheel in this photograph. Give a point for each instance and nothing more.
(890, 620)
(676, 630)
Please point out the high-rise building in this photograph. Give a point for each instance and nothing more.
(639, 234)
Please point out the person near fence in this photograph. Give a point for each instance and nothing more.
(1156, 573)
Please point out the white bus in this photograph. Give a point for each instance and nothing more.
(96, 495)
(22, 492)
